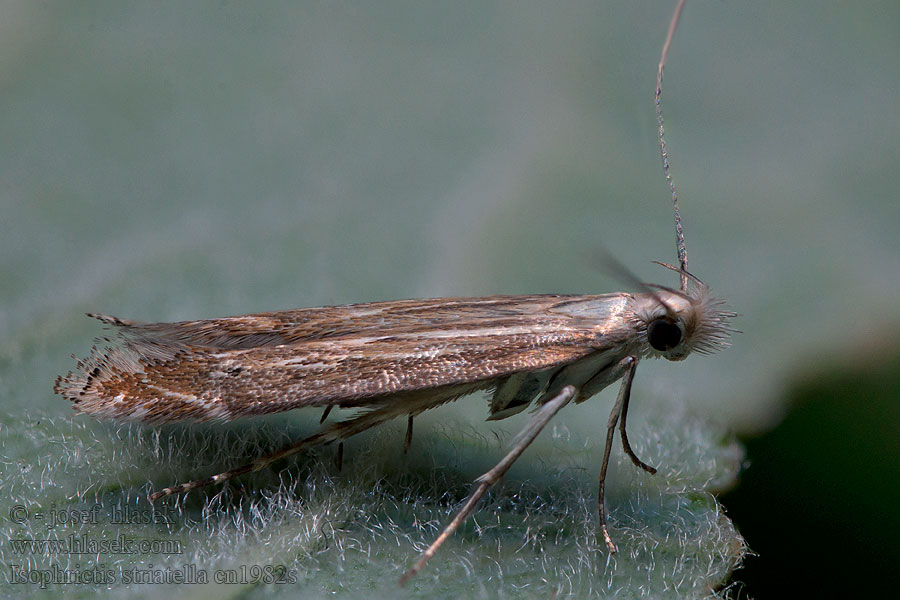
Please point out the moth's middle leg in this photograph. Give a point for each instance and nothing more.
(619, 411)
(521, 441)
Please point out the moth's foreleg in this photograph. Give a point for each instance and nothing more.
(338, 431)
(628, 364)
(522, 441)
(626, 381)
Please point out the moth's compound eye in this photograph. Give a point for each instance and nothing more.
(663, 335)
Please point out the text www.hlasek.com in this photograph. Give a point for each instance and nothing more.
(84, 544)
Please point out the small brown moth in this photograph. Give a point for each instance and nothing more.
(403, 357)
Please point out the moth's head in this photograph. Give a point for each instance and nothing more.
(672, 323)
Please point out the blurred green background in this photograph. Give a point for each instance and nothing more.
(172, 161)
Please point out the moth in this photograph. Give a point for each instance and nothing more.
(400, 358)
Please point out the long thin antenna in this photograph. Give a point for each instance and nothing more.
(679, 234)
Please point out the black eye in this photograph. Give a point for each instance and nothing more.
(663, 335)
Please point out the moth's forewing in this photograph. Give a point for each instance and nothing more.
(353, 355)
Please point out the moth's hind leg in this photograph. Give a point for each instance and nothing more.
(411, 404)
(336, 431)
(522, 441)
(407, 440)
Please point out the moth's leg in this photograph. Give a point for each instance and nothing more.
(626, 381)
(337, 431)
(628, 364)
(325, 414)
(521, 441)
(407, 441)
(340, 456)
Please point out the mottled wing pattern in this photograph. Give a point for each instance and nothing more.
(353, 355)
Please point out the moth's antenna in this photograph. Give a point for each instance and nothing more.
(679, 234)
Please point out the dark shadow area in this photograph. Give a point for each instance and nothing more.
(819, 503)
